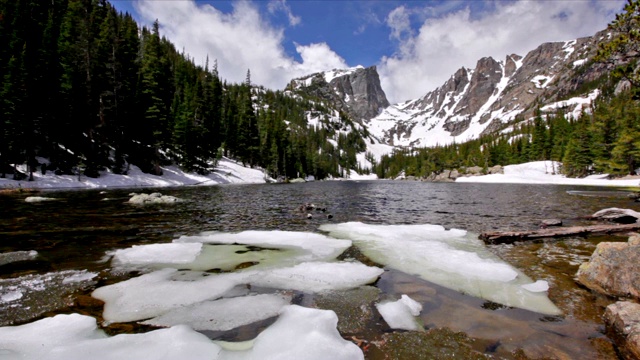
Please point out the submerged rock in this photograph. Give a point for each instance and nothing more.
(623, 323)
(614, 269)
(550, 222)
(354, 307)
(433, 344)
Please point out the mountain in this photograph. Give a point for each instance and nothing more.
(485, 99)
(472, 102)
(355, 91)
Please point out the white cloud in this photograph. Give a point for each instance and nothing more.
(319, 56)
(281, 5)
(399, 22)
(239, 40)
(442, 45)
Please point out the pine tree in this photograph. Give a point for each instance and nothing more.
(622, 51)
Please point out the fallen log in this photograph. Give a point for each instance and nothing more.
(508, 237)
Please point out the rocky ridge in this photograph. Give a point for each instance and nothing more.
(482, 100)
(355, 91)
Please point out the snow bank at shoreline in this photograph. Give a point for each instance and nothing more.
(231, 172)
(227, 172)
(542, 172)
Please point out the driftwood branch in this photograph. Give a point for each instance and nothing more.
(507, 237)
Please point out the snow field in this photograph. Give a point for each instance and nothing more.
(544, 172)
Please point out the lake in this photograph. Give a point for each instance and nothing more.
(76, 235)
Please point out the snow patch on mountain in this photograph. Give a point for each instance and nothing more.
(335, 73)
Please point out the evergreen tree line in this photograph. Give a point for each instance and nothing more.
(606, 140)
(87, 89)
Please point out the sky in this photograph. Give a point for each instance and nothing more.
(416, 45)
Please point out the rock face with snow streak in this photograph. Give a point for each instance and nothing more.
(356, 91)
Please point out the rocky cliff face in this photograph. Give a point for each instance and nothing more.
(483, 99)
(355, 91)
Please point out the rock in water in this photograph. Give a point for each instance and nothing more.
(621, 216)
(623, 322)
(614, 269)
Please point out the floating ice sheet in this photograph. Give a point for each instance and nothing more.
(230, 251)
(224, 314)
(157, 293)
(299, 333)
(157, 254)
(318, 276)
(303, 246)
(75, 336)
(538, 286)
(401, 314)
(450, 258)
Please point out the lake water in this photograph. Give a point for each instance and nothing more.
(79, 229)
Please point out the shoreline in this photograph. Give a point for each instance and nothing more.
(231, 172)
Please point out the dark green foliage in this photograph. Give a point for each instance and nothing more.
(623, 50)
(84, 87)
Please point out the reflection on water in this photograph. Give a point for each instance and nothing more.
(78, 230)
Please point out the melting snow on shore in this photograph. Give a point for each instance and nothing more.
(545, 172)
(227, 172)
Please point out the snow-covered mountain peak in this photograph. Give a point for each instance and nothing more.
(335, 73)
(484, 99)
(356, 91)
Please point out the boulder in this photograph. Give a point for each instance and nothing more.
(621, 216)
(498, 169)
(444, 176)
(614, 269)
(474, 170)
(623, 325)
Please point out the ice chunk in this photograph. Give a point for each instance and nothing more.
(224, 314)
(401, 314)
(35, 199)
(155, 198)
(538, 286)
(10, 296)
(15, 256)
(36, 340)
(307, 246)
(76, 336)
(157, 253)
(300, 333)
(318, 276)
(449, 258)
(156, 293)
(79, 277)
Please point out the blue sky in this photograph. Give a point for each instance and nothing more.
(416, 45)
